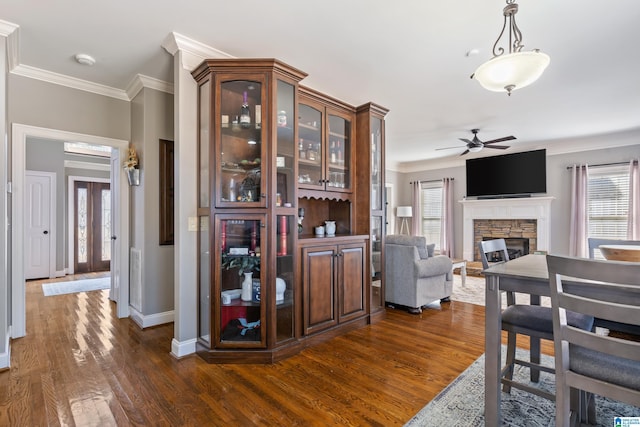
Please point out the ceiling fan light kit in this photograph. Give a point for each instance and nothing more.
(516, 69)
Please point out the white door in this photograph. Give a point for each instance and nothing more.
(115, 224)
(39, 224)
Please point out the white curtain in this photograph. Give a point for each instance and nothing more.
(446, 231)
(579, 227)
(416, 209)
(633, 228)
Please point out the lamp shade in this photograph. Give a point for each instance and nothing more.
(512, 71)
(404, 212)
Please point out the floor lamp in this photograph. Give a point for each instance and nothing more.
(404, 212)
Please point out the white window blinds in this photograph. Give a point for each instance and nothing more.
(608, 193)
(431, 214)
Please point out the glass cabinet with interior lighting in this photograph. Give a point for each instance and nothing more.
(247, 293)
(325, 145)
(276, 163)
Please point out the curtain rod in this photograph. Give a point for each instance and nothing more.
(432, 180)
(607, 164)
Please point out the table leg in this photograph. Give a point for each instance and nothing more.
(492, 361)
(534, 345)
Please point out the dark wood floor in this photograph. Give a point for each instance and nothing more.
(80, 365)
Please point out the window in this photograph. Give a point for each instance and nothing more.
(431, 211)
(608, 202)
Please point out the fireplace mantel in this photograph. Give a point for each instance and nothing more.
(538, 208)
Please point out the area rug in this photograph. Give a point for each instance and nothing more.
(61, 288)
(473, 292)
(462, 402)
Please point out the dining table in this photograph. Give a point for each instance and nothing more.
(529, 275)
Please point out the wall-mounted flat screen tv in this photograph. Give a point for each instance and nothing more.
(509, 175)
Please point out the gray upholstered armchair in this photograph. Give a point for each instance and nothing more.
(415, 277)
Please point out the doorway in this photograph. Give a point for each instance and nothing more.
(20, 133)
(91, 227)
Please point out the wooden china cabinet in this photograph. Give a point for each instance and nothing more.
(275, 160)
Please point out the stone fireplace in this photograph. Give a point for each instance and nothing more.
(520, 235)
(509, 218)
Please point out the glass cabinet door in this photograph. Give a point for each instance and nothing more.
(204, 281)
(377, 186)
(241, 147)
(310, 148)
(240, 281)
(287, 228)
(338, 153)
(285, 145)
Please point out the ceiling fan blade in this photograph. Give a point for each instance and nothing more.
(499, 147)
(506, 138)
(465, 140)
(449, 148)
(465, 152)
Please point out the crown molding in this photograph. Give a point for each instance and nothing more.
(7, 28)
(87, 165)
(11, 31)
(72, 82)
(196, 52)
(141, 81)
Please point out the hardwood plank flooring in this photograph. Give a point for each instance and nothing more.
(80, 365)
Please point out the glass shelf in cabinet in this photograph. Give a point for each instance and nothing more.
(309, 126)
(309, 162)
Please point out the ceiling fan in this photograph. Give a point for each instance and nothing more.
(474, 145)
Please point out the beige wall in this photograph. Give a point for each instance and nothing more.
(152, 120)
(36, 103)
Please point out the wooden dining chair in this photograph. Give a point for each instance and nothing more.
(587, 362)
(531, 320)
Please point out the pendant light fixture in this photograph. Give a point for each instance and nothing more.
(515, 70)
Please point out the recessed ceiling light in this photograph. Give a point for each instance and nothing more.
(85, 59)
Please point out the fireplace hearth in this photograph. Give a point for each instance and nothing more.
(526, 218)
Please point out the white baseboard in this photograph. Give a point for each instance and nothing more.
(61, 273)
(146, 321)
(184, 348)
(5, 357)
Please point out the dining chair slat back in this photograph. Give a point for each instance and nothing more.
(595, 242)
(491, 246)
(587, 361)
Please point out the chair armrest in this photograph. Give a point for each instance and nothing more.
(434, 266)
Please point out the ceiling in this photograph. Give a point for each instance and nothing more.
(411, 57)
